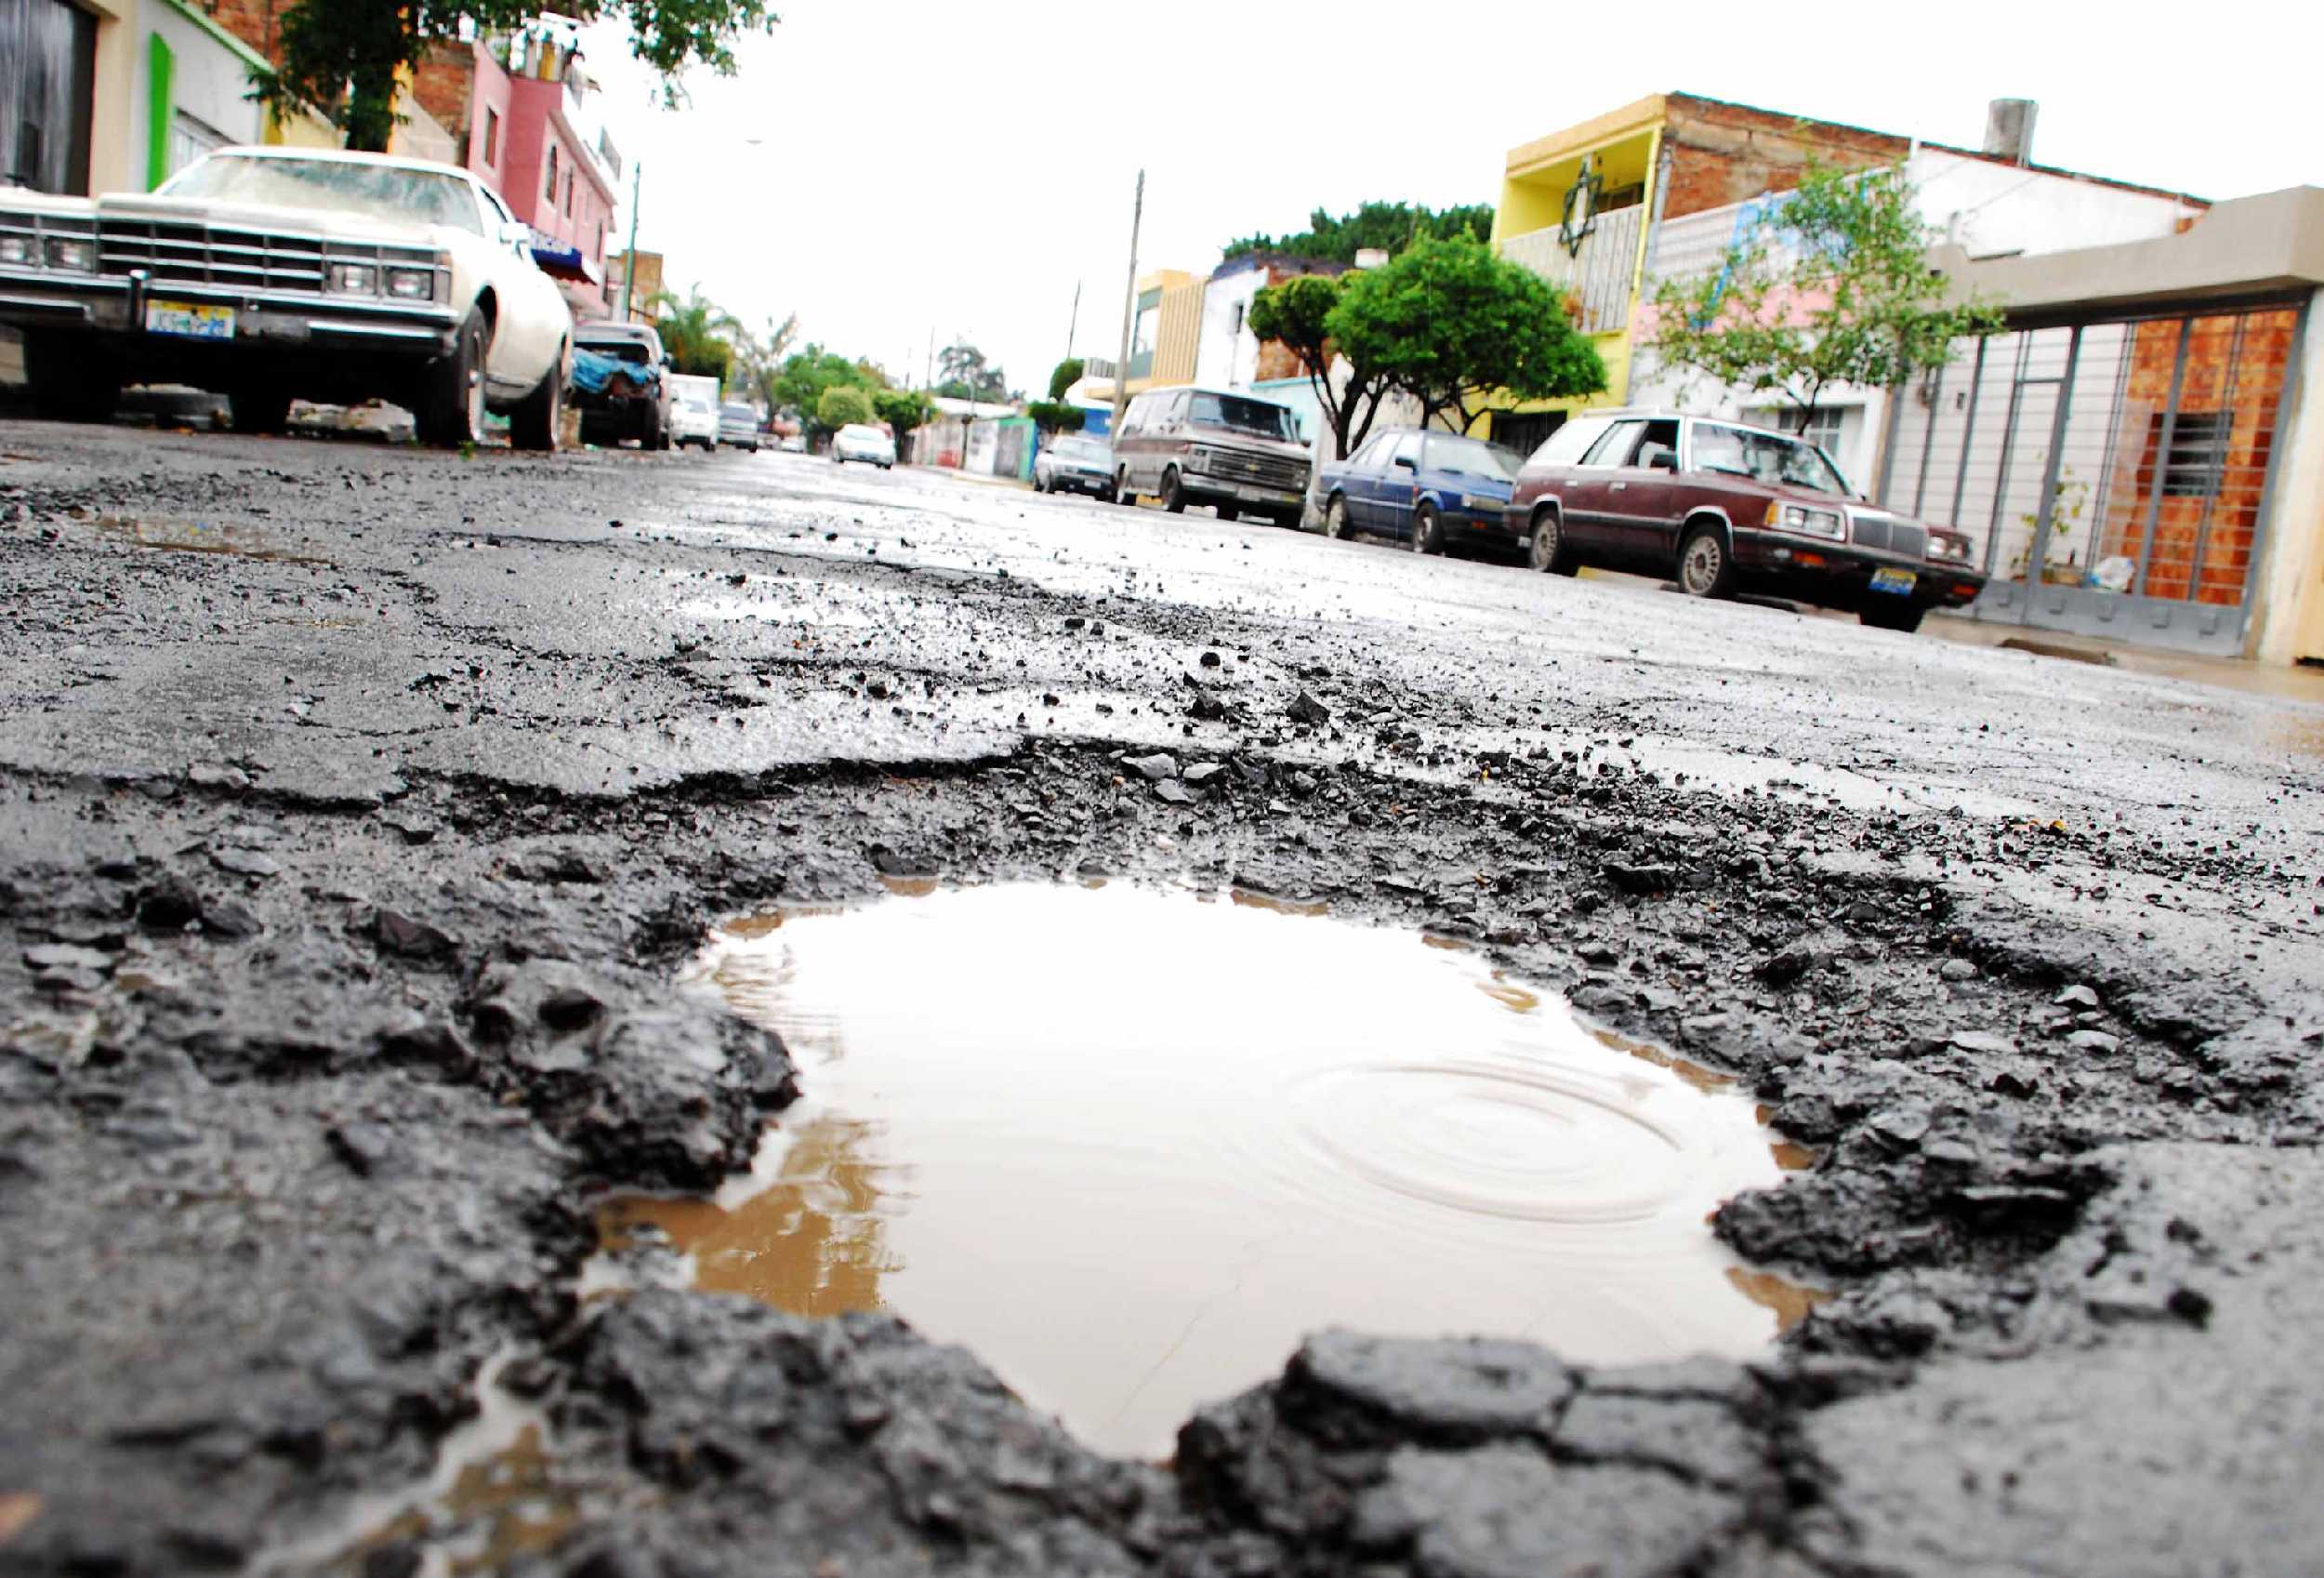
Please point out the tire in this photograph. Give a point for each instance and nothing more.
(1336, 522)
(1121, 489)
(1903, 617)
(1547, 549)
(72, 380)
(259, 410)
(1706, 568)
(1174, 491)
(1428, 532)
(538, 421)
(450, 407)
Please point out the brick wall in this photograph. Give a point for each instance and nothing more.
(256, 23)
(445, 84)
(1722, 153)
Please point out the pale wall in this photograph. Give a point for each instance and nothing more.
(2288, 622)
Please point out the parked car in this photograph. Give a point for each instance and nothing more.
(857, 440)
(738, 425)
(794, 443)
(634, 403)
(1075, 464)
(693, 410)
(1431, 489)
(1238, 452)
(1725, 506)
(270, 274)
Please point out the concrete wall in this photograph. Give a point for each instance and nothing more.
(1227, 357)
(2288, 624)
(1987, 208)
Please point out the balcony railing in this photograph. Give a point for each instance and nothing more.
(1600, 273)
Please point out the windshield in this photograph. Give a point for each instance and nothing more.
(1471, 458)
(856, 429)
(1079, 449)
(1766, 458)
(738, 413)
(1258, 418)
(620, 349)
(338, 186)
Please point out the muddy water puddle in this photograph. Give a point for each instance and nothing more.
(200, 536)
(1128, 1148)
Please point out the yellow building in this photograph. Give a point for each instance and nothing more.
(1165, 332)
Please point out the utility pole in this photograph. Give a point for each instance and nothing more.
(1129, 306)
(930, 384)
(630, 270)
(1072, 325)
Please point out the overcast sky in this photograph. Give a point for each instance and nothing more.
(961, 167)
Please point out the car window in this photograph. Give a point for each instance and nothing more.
(1615, 447)
(1766, 457)
(1408, 448)
(1374, 453)
(1661, 437)
(1134, 419)
(1566, 447)
(1473, 458)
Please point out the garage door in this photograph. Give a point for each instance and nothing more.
(48, 77)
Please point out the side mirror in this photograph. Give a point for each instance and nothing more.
(1663, 460)
(516, 232)
(1406, 462)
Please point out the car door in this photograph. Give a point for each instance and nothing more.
(1397, 487)
(1360, 477)
(534, 323)
(1587, 492)
(1640, 494)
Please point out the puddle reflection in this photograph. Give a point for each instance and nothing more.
(1129, 1147)
(198, 537)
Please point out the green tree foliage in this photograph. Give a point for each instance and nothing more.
(1056, 415)
(965, 375)
(699, 333)
(1392, 227)
(840, 404)
(340, 57)
(1448, 322)
(901, 409)
(1833, 287)
(759, 356)
(1063, 377)
(806, 377)
(1298, 313)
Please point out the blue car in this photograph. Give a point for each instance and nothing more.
(1433, 489)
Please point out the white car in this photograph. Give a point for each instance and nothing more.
(858, 442)
(270, 274)
(694, 411)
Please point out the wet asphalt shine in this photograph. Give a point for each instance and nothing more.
(623, 1013)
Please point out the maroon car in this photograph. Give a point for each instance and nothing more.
(1723, 506)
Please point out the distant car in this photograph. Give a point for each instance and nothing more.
(694, 416)
(1239, 452)
(794, 443)
(634, 404)
(1075, 464)
(1723, 507)
(738, 425)
(859, 441)
(1433, 489)
(272, 273)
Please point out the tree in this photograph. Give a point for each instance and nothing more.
(1448, 322)
(967, 376)
(761, 356)
(840, 404)
(698, 332)
(1388, 226)
(1297, 313)
(806, 375)
(1833, 287)
(341, 57)
(901, 409)
(1056, 415)
(1063, 377)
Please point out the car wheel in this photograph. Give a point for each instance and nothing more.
(537, 422)
(72, 379)
(1903, 617)
(1336, 522)
(1121, 488)
(1547, 551)
(1428, 532)
(451, 399)
(1706, 569)
(259, 410)
(1174, 491)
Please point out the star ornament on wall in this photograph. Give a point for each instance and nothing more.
(1580, 220)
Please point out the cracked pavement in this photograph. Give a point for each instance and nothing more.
(362, 805)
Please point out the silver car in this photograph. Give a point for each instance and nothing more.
(738, 425)
(1074, 464)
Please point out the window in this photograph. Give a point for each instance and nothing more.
(1823, 430)
(1569, 443)
(1661, 438)
(190, 138)
(568, 194)
(1763, 457)
(2199, 444)
(492, 136)
(1408, 448)
(1374, 455)
(550, 191)
(1615, 447)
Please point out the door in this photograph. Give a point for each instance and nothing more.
(1397, 487)
(1641, 495)
(1361, 480)
(1588, 493)
(47, 91)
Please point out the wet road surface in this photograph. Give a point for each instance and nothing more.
(368, 810)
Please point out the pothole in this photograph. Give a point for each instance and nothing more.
(1128, 1148)
(199, 537)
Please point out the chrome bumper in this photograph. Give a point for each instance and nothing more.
(114, 306)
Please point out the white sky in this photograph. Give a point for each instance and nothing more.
(961, 166)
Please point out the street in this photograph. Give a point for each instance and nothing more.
(368, 810)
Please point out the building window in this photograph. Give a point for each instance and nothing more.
(549, 192)
(492, 136)
(190, 138)
(1823, 430)
(568, 194)
(2198, 444)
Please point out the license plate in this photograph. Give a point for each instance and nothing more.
(1264, 495)
(189, 320)
(1899, 581)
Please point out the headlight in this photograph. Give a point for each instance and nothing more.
(1954, 548)
(412, 284)
(15, 249)
(1799, 518)
(74, 254)
(351, 279)
(1482, 501)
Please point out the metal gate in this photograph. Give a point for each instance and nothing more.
(2115, 475)
(47, 89)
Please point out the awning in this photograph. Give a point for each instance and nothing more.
(563, 260)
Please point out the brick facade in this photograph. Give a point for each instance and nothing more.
(258, 23)
(1722, 153)
(444, 86)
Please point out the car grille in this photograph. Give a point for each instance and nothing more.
(179, 252)
(1888, 535)
(1267, 471)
